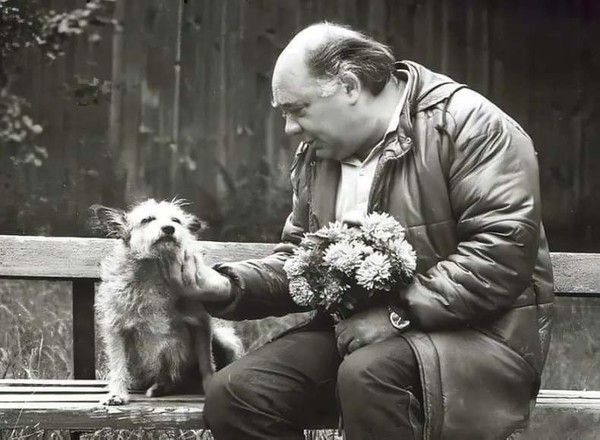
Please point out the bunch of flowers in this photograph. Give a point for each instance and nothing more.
(341, 268)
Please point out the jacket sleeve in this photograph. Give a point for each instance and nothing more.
(494, 192)
(260, 286)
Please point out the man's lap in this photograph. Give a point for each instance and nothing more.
(295, 376)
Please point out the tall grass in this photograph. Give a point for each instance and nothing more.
(35, 330)
(36, 343)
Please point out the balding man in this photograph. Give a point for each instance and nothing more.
(465, 360)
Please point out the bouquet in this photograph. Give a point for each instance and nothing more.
(341, 268)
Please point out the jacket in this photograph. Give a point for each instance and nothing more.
(462, 178)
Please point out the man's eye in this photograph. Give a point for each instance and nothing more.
(294, 112)
(176, 220)
(148, 220)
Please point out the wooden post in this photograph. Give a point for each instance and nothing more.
(84, 344)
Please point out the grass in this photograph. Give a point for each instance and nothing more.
(36, 343)
(35, 330)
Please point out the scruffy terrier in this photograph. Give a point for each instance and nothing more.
(155, 338)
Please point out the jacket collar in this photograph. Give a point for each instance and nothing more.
(425, 88)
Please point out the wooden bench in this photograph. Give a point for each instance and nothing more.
(73, 404)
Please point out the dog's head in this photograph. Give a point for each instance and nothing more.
(151, 228)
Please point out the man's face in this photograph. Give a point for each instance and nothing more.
(317, 115)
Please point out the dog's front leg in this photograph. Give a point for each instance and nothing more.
(118, 377)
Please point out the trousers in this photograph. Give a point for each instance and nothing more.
(300, 381)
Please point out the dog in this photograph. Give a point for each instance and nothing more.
(155, 338)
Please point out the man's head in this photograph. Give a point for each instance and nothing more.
(325, 82)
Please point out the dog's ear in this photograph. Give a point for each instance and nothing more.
(108, 221)
(196, 226)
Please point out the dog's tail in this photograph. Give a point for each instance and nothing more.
(227, 346)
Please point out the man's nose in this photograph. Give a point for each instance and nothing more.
(291, 126)
(168, 230)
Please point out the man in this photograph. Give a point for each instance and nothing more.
(462, 177)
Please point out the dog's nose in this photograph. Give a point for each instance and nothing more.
(169, 230)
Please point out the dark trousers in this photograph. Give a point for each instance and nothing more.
(291, 384)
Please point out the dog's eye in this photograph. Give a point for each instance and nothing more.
(148, 219)
(176, 220)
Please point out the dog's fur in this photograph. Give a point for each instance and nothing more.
(155, 339)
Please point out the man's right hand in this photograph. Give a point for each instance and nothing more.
(195, 280)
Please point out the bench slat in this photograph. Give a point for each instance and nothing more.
(569, 394)
(186, 412)
(75, 258)
(88, 416)
(53, 382)
(45, 397)
(91, 397)
(49, 389)
(576, 272)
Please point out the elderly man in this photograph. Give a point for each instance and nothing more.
(462, 177)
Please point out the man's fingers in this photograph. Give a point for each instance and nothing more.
(342, 340)
(354, 344)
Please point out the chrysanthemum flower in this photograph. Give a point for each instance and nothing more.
(374, 272)
(382, 227)
(334, 232)
(332, 291)
(343, 256)
(404, 255)
(301, 291)
(298, 264)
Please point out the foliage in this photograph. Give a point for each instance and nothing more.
(25, 24)
(340, 267)
(18, 131)
(255, 206)
(90, 90)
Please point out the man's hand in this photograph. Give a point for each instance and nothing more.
(364, 328)
(195, 280)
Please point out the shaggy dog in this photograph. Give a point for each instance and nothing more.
(155, 339)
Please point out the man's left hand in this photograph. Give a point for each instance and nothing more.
(363, 328)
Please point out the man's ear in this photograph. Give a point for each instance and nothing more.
(108, 221)
(351, 86)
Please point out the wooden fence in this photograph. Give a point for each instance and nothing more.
(189, 110)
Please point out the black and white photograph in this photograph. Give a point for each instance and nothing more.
(300, 219)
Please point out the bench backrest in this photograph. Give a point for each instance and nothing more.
(78, 260)
(72, 258)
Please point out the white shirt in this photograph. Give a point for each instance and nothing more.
(356, 177)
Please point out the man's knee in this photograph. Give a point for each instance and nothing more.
(368, 371)
(224, 390)
(356, 374)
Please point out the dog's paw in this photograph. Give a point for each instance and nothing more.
(113, 399)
